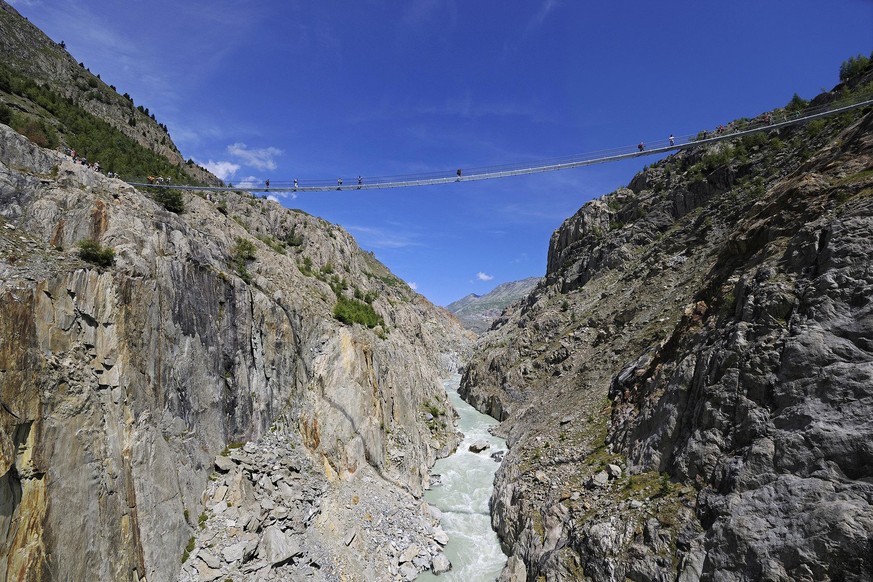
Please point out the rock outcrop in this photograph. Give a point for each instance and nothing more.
(687, 394)
(121, 384)
(270, 515)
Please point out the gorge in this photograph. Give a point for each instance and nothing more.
(205, 387)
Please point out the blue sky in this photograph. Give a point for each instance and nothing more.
(286, 89)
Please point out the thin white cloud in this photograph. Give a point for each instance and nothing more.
(536, 22)
(262, 159)
(222, 170)
(381, 239)
(248, 182)
(484, 276)
(412, 285)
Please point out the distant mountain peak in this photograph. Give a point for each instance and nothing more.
(478, 312)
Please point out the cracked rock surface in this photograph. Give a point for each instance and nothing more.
(688, 394)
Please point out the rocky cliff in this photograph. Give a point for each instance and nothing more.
(122, 384)
(687, 394)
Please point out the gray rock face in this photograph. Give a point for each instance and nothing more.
(124, 383)
(710, 329)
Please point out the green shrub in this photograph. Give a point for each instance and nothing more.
(796, 104)
(753, 140)
(243, 253)
(39, 132)
(854, 66)
(351, 311)
(306, 266)
(276, 245)
(292, 239)
(170, 199)
(367, 297)
(338, 284)
(816, 127)
(5, 114)
(188, 549)
(91, 251)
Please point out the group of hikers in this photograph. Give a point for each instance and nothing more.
(77, 159)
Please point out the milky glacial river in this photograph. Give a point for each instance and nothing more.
(463, 497)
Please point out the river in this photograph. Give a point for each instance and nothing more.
(463, 496)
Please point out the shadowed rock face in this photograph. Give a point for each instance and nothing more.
(120, 385)
(709, 331)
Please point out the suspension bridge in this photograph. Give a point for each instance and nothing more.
(765, 122)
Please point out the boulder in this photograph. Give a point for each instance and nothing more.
(441, 564)
(276, 547)
(601, 479)
(409, 553)
(479, 446)
(234, 553)
(224, 464)
(209, 559)
(440, 537)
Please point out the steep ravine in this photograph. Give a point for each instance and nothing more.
(121, 385)
(687, 394)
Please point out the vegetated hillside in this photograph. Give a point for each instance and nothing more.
(478, 312)
(55, 101)
(688, 393)
(138, 343)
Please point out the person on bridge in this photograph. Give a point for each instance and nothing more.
(459, 173)
(672, 140)
(360, 181)
(339, 183)
(641, 147)
(267, 183)
(295, 183)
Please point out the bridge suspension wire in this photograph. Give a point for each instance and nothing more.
(763, 123)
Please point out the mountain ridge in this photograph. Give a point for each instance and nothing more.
(681, 384)
(39, 79)
(477, 312)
